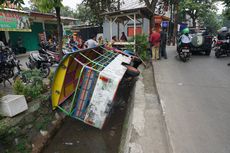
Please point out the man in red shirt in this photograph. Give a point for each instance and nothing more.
(155, 42)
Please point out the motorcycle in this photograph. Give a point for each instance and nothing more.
(70, 47)
(53, 55)
(222, 48)
(183, 50)
(8, 63)
(41, 62)
(48, 50)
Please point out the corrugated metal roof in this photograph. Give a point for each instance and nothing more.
(132, 4)
(38, 13)
(14, 10)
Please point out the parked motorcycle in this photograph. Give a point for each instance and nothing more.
(8, 63)
(41, 62)
(222, 48)
(48, 50)
(70, 47)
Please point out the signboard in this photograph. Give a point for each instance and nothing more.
(130, 31)
(181, 26)
(165, 24)
(10, 21)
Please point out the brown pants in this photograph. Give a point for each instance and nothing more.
(155, 53)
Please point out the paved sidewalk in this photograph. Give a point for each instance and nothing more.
(146, 128)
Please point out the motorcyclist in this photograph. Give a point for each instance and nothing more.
(223, 33)
(185, 38)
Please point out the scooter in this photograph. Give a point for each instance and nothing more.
(183, 50)
(41, 62)
(222, 48)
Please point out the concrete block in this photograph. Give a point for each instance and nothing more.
(11, 105)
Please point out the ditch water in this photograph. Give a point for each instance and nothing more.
(76, 137)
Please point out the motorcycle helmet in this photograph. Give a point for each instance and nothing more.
(185, 31)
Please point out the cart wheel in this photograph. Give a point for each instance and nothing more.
(132, 71)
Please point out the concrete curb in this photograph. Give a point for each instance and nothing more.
(126, 130)
(163, 113)
(134, 138)
(40, 142)
(128, 127)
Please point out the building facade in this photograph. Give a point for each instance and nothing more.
(31, 27)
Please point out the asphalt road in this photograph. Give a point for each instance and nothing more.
(196, 101)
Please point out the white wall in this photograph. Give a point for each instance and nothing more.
(106, 28)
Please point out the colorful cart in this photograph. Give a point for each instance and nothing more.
(86, 82)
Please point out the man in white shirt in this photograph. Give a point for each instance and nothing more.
(91, 43)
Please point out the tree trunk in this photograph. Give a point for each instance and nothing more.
(193, 23)
(151, 23)
(176, 8)
(60, 31)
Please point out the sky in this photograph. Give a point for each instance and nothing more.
(71, 3)
(220, 7)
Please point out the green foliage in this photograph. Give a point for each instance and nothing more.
(212, 22)
(67, 11)
(141, 46)
(47, 5)
(195, 8)
(22, 146)
(15, 2)
(226, 13)
(227, 2)
(42, 124)
(13, 131)
(30, 84)
(85, 14)
(93, 9)
(3, 127)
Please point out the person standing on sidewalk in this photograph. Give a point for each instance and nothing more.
(155, 43)
(163, 42)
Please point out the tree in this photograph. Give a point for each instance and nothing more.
(15, 2)
(195, 8)
(226, 13)
(49, 5)
(211, 21)
(151, 6)
(175, 12)
(85, 15)
(97, 7)
(67, 11)
(227, 2)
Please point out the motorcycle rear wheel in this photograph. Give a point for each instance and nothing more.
(45, 71)
(217, 54)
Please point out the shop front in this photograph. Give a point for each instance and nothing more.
(29, 28)
(30, 39)
(13, 22)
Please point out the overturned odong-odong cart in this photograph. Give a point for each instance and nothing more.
(86, 81)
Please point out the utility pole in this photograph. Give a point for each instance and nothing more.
(118, 24)
(176, 9)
